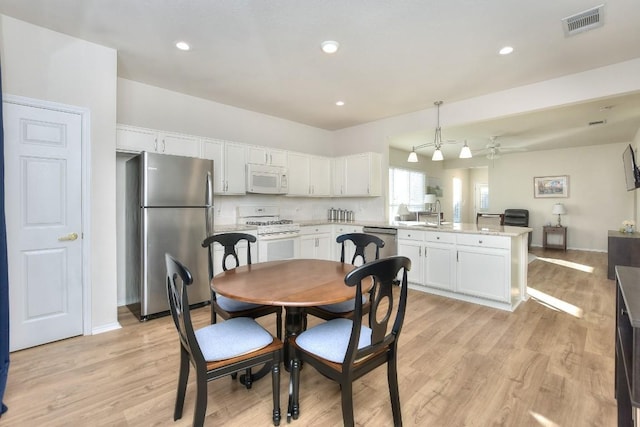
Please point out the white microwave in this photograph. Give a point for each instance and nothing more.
(266, 179)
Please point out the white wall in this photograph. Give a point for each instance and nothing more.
(46, 65)
(597, 202)
(156, 108)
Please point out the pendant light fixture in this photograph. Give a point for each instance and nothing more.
(465, 152)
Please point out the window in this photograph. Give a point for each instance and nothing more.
(482, 198)
(408, 187)
(457, 200)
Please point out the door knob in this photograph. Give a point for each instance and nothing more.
(68, 237)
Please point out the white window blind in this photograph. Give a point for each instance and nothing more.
(408, 187)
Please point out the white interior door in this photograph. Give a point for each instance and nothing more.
(43, 185)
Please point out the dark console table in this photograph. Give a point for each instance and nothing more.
(627, 381)
(624, 249)
(556, 230)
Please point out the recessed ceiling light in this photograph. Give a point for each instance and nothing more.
(183, 46)
(330, 46)
(506, 50)
(340, 103)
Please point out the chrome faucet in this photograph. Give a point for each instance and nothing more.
(438, 211)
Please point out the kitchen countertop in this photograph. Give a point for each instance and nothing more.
(468, 228)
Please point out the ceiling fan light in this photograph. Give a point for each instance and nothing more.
(437, 155)
(465, 152)
(413, 157)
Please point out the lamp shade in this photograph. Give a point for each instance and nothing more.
(403, 210)
(413, 157)
(429, 198)
(559, 209)
(437, 155)
(465, 153)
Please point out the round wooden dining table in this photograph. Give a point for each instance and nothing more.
(293, 284)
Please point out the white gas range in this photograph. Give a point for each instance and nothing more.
(277, 238)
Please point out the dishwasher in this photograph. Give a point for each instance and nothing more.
(388, 235)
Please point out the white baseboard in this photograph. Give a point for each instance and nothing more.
(106, 328)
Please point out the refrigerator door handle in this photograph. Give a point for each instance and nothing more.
(208, 214)
(208, 197)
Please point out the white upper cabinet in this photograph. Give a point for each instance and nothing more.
(320, 176)
(338, 176)
(267, 156)
(357, 175)
(309, 175)
(229, 159)
(134, 140)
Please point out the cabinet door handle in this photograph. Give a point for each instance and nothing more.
(155, 144)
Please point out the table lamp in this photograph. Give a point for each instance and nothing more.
(559, 209)
(429, 199)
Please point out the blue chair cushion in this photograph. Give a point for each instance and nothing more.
(342, 307)
(330, 340)
(229, 304)
(231, 338)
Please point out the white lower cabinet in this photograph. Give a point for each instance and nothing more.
(432, 256)
(440, 265)
(315, 242)
(413, 250)
(484, 266)
(471, 267)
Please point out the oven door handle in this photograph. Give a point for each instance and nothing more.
(279, 236)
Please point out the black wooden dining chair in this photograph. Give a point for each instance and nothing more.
(216, 350)
(344, 350)
(345, 309)
(228, 308)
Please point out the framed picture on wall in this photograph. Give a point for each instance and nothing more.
(551, 186)
(434, 186)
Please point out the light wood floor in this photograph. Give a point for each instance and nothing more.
(460, 364)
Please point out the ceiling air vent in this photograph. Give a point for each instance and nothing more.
(598, 122)
(583, 21)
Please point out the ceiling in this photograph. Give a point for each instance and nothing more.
(395, 57)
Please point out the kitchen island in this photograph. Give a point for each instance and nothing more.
(486, 266)
(481, 265)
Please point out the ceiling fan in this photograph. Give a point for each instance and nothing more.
(493, 150)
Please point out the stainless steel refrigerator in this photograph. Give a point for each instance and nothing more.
(169, 208)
